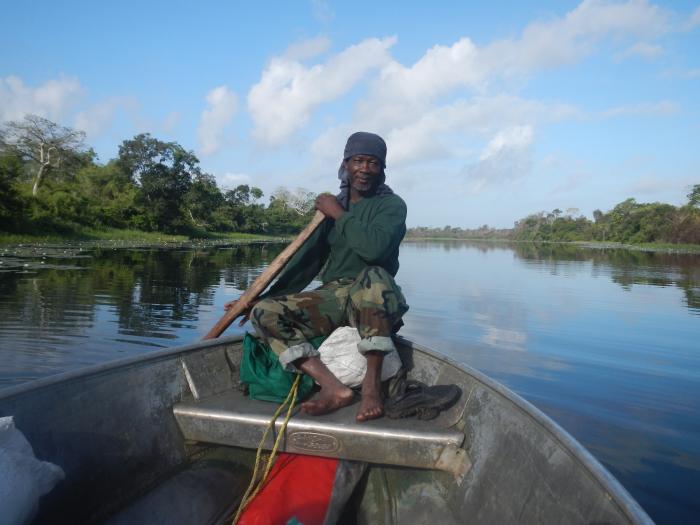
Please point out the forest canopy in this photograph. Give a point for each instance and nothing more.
(51, 182)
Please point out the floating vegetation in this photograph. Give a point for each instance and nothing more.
(24, 264)
(63, 256)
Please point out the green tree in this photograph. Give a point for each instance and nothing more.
(12, 205)
(623, 220)
(245, 211)
(655, 222)
(110, 194)
(164, 172)
(694, 196)
(204, 201)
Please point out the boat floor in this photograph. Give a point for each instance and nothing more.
(207, 490)
(233, 419)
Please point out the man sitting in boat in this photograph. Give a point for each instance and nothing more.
(359, 245)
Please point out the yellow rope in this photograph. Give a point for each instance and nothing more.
(253, 487)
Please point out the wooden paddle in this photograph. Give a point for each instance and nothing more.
(265, 278)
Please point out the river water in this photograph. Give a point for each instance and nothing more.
(606, 342)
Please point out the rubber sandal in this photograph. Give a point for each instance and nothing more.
(421, 400)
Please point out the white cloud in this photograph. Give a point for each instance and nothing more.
(307, 49)
(223, 104)
(438, 71)
(428, 110)
(641, 49)
(427, 137)
(288, 92)
(565, 40)
(542, 45)
(51, 100)
(515, 138)
(506, 157)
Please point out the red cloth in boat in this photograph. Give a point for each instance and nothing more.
(298, 487)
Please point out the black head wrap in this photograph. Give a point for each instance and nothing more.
(362, 143)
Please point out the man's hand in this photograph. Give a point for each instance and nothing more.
(247, 307)
(329, 206)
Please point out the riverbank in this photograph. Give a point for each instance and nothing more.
(114, 238)
(129, 238)
(31, 253)
(646, 247)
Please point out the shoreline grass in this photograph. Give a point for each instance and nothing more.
(130, 236)
(598, 245)
(643, 246)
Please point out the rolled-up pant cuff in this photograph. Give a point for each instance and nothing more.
(295, 352)
(376, 343)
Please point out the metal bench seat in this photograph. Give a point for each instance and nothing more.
(233, 419)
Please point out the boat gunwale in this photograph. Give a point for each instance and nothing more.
(109, 366)
(622, 498)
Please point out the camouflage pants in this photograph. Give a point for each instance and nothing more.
(372, 303)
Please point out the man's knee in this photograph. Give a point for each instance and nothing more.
(260, 307)
(265, 313)
(376, 288)
(372, 274)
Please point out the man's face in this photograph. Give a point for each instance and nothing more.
(363, 173)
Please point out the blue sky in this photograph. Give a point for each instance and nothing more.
(490, 112)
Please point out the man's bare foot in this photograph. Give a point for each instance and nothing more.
(328, 400)
(372, 403)
(333, 394)
(371, 406)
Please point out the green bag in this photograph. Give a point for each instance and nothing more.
(264, 375)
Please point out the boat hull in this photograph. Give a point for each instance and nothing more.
(112, 429)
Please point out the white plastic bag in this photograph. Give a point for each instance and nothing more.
(340, 354)
(23, 478)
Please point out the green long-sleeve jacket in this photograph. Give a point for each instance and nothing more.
(368, 234)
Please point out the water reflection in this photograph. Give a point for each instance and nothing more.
(62, 310)
(624, 267)
(629, 266)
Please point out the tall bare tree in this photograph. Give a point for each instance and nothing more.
(301, 200)
(45, 143)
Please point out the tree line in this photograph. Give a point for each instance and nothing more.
(628, 222)
(51, 182)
